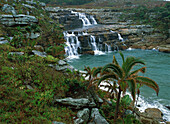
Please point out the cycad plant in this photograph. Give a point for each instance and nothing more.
(124, 77)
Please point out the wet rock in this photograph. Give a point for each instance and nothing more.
(97, 118)
(164, 48)
(38, 53)
(154, 112)
(76, 103)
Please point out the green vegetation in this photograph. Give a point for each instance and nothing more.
(67, 2)
(119, 79)
(158, 16)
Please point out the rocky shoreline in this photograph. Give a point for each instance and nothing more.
(87, 103)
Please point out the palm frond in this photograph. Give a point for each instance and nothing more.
(121, 54)
(143, 70)
(130, 63)
(115, 60)
(132, 87)
(107, 76)
(115, 68)
(148, 82)
(97, 71)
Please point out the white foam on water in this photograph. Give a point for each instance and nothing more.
(144, 104)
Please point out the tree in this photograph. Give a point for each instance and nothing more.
(125, 78)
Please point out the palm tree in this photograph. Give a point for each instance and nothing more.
(125, 78)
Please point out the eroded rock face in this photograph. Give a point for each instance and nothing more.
(21, 19)
(76, 103)
(97, 118)
(83, 116)
(8, 9)
(154, 112)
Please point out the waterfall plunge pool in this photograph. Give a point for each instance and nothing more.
(158, 69)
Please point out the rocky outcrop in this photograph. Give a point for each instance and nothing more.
(97, 118)
(83, 116)
(76, 103)
(9, 9)
(21, 19)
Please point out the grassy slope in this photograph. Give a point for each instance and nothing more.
(18, 103)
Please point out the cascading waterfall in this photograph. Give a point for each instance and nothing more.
(73, 47)
(94, 46)
(120, 37)
(73, 44)
(107, 48)
(87, 20)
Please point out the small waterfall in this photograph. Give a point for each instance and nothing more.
(94, 46)
(120, 37)
(107, 48)
(87, 20)
(73, 44)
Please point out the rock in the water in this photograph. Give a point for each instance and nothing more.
(76, 103)
(97, 118)
(38, 53)
(84, 115)
(154, 112)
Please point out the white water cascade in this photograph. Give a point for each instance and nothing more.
(73, 44)
(86, 19)
(120, 37)
(94, 46)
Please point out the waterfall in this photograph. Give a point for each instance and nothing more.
(107, 48)
(87, 20)
(94, 46)
(120, 37)
(72, 45)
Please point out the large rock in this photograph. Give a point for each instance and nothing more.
(76, 103)
(21, 19)
(154, 112)
(97, 118)
(8, 9)
(83, 116)
(164, 48)
(38, 53)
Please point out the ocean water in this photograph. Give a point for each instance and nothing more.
(158, 69)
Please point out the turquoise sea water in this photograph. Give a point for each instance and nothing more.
(158, 69)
